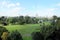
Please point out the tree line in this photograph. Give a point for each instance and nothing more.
(19, 20)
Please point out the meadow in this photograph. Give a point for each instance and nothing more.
(25, 30)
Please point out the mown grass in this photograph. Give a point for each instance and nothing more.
(25, 30)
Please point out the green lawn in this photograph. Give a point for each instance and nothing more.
(25, 30)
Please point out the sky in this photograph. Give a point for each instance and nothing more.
(46, 8)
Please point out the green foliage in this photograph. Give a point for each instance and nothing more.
(37, 36)
(54, 17)
(2, 29)
(47, 30)
(27, 19)
(5, 23)
(57, 24)
(21, 20)
(4, 35)
(31, 20)
(14, 20)
(3, 19)
(54, 20)
(15, 35)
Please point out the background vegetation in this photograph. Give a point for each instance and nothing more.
(29, 28)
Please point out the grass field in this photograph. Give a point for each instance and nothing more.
(25, 30)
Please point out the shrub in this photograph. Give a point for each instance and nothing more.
(37, 36)
(4, 36)
(54, 36)
(0, 38)
(22, 23)
(5, 23)
(2, 30)
(15, 35)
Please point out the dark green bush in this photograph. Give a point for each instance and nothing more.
(5, 23)
(54, 36)
(37, 36)
(2, 29)
(15, 35)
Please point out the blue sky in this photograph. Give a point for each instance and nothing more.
(46, 8)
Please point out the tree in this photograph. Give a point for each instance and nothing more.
(21, 20)
(14, 20)
(33, 20)
(54, 36)
(47, 30)
(15, 35)
(58, 23)
(27, 19)
(54, 20)
(37, 36)
(30, 20)
(54, 17)
(3, 20)
(2, 30)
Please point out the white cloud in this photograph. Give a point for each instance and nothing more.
(10, 9)
(15, 9)
(4, 3)
(17, 4)
(12, 12)
(46, 12)
(58, 4)
(11, 5)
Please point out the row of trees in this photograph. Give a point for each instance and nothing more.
(19, 20)
(22, 20)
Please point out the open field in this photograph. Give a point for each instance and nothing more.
(25, 30)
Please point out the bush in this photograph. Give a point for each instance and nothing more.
(21, 23)
(4, 35)
(0, 38)
(54, 36)
(2, 30)
(5, 23)
(37, 36)
(15, 35)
